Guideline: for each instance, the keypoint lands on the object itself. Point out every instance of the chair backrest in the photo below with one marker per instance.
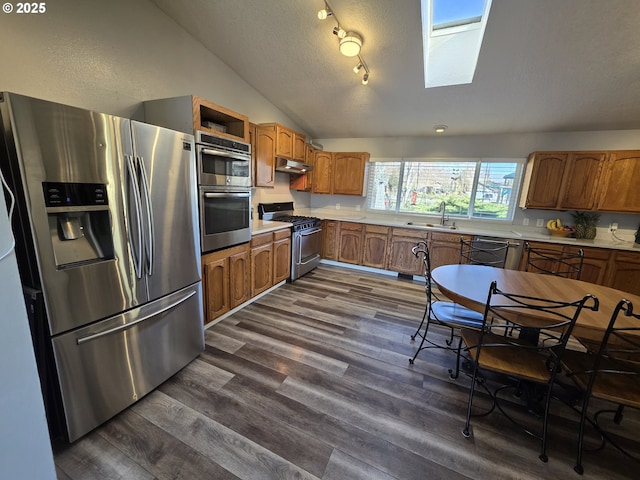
(484, 251)
(549, 322)
(554, 262)
(421, 250)
(619, 351)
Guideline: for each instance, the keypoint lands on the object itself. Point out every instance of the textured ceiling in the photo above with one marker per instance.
(544, 65)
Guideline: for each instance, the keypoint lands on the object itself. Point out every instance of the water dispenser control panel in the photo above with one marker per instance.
(58, 194)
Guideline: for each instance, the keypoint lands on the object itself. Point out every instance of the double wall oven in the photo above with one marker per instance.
(224, 184)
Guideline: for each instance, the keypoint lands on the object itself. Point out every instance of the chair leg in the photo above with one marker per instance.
(585, 405)
(547, 403)
(457, 373)
(424, 335)
(618, 416)
(424, 316)
(466, 432)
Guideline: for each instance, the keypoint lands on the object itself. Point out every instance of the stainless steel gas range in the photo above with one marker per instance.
(306, 237)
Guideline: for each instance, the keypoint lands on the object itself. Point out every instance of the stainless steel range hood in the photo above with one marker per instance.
(291, 166)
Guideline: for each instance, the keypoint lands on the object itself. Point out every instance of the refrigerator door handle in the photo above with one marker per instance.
(149, 215)
(133, 180)
(184, 297)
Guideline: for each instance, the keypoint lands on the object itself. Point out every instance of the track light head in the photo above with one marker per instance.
(340, 33)
(357, 68)
(365, 79)
(324, 13)
(350, 45)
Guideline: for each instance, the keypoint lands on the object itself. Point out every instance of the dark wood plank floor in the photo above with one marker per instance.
(313, 381)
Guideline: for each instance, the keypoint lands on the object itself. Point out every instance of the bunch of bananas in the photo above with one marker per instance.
(555, 224)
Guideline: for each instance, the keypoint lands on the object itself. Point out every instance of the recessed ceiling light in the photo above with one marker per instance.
(440, 128)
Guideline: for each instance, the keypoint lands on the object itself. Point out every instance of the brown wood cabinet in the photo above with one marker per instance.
(351, 235)
(620, 192)
(374, 246)
(303, 183)
(444, 248)
(330, 240)
(400, 258)
(263, 152)
(601, 181)
(225, 278)
(619, 269)
(339, 173)
(261, 263)
(562, 180)
(281, 255)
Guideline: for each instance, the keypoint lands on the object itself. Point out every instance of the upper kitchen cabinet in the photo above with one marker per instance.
(191, 113)
(620, 192)
(263, 146)
(339, 173)
(542, 180)
(302, 183)
(289, 143)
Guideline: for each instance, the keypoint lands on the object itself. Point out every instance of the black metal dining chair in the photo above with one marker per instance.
(520, 366)
(440, 312)
(483, 251)
(612, 374)
(554, 262)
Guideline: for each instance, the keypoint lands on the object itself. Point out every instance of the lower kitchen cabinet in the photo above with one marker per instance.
(350, 236)
(225, 278)
(444, 248)
(281, 255)
(624, 273)
(330, 240)
(270, 259)
(374, 246)
(401, 258)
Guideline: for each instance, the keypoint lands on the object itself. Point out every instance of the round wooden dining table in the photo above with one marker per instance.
(469, 285)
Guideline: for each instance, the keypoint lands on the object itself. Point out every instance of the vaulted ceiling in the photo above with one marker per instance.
(544, 65)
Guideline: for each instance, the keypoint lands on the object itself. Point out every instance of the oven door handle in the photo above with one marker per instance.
(220, 153)
(306, 234)
(219, 195)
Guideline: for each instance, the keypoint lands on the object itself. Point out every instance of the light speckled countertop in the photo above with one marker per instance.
(265, 226)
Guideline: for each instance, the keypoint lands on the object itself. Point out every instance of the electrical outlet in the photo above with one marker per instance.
(337, 206)
(357, 208)
(525, 222)
(613, 227)
(540, 222)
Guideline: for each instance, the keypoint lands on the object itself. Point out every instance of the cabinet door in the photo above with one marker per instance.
(284, 142)
(348, 173)
(374, 249)
(282, 258)
(400, 258)
(330, 229)
(350, 242)
(543, 179)
(303, 183)
(265, 156)
(216, 279)
(620, 188)
(261, 268)
(299, 146)
(322, 172)
(581, 178)
(444, 249)
(594, 264)
(239, 288)
(625, 272)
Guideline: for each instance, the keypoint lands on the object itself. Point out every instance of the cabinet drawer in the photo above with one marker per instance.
(356, 227)
(376, 229)
(409, 233)
(447, 237)
(261, 239)
(280, 234)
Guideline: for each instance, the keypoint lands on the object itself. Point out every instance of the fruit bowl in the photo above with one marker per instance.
(559, 232)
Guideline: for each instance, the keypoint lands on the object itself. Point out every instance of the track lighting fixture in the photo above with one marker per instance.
(440, 128)
(339, 32)
(350, 43)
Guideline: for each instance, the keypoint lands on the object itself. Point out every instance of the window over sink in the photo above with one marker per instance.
(471, 188)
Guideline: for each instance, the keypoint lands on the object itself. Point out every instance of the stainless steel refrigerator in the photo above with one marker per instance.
(107, 241)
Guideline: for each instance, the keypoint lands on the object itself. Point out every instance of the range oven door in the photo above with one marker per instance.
(225, 217)
(306, 251)
(220, 168)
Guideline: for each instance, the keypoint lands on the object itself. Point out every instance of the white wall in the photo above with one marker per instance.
(25, 451)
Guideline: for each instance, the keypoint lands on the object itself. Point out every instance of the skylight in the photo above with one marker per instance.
(452, 32)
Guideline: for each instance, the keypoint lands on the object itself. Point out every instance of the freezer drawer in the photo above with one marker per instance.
(110, 365)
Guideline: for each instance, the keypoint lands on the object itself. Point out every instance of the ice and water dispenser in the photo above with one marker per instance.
(79, 222)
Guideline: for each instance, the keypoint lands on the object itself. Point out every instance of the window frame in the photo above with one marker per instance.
(469, 216)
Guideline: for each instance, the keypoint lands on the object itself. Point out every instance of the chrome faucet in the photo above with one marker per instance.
(442, 208)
